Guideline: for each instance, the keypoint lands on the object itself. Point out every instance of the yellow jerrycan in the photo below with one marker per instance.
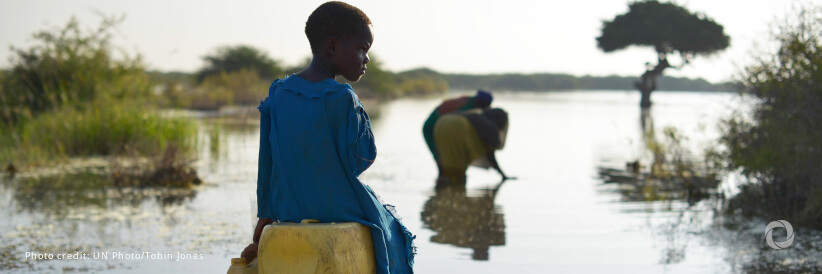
(239, 266)
(313, 247)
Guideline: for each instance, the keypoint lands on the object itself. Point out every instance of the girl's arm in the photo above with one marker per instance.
(250, 252)
(352, 128)
(258, 231)
(265, 165)
(264, 171)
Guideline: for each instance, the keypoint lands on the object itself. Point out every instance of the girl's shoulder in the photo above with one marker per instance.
(332, 92)
(309, 89)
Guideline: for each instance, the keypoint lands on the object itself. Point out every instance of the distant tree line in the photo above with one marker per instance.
(552, 82)
(241, 74)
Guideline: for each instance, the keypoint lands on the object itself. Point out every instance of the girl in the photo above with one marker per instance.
(315, 140)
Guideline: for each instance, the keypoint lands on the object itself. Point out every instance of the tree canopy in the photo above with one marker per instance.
(235, 58)
(665, 26)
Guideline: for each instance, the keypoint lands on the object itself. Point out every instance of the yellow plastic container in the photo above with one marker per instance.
(310, 247)
(239, 266)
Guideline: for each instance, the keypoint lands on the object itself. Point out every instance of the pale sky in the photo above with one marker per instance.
(448, 36)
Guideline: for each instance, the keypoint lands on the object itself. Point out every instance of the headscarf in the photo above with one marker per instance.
(483, 99)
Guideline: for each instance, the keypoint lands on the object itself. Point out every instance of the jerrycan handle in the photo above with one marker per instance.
(306, 221)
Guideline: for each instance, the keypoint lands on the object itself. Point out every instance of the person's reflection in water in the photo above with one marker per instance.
(463, 221)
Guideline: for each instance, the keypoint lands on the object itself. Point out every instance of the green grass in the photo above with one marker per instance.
(101, 129)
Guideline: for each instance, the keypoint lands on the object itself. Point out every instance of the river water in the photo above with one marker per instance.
(559, 215)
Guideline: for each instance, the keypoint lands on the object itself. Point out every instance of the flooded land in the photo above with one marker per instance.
(587, 198)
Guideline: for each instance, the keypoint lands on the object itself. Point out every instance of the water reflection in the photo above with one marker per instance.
(465, 221)
(82, 212)
(61, 195)
(661, 232)
(670, 173)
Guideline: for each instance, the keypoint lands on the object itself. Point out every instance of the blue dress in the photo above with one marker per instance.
(315, 140)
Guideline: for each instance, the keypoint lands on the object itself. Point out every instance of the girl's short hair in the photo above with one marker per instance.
(334, 18)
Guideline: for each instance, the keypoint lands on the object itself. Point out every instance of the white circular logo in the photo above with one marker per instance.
(769, 234)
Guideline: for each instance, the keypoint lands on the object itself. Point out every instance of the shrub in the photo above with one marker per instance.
(69, 66)
(72, 94)
(779, 149)
(235, 58)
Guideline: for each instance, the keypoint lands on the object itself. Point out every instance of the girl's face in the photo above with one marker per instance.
(352, 55)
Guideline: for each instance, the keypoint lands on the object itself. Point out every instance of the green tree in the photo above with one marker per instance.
(778, 149)
(235, 58)
(669, 29)
(73, 93)
(69, 66)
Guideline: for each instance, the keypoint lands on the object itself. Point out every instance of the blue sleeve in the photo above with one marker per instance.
(359, 137)
(265, 162)
(352, 129)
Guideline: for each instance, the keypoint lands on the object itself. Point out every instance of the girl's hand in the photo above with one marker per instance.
(250, 252)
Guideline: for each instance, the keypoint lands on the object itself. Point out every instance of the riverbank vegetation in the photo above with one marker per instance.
(774, 147)
(667, 170)
(73, 94)
(778, 146)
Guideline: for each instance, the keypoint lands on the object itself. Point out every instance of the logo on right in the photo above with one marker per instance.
(769, 234)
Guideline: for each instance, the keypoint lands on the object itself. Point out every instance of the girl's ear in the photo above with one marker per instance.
(331, 44)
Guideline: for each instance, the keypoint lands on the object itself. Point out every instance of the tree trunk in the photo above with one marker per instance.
(645, 102)
(647, 82)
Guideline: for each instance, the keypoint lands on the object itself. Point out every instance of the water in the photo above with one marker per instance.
(558, 216)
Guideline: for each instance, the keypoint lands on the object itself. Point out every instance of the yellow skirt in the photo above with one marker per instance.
(458, 144)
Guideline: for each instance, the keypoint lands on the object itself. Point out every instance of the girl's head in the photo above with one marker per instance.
(340, 35)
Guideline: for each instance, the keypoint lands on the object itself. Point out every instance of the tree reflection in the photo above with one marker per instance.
(465, 221)
(87, 192)
(670, 173)
(668, 178)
